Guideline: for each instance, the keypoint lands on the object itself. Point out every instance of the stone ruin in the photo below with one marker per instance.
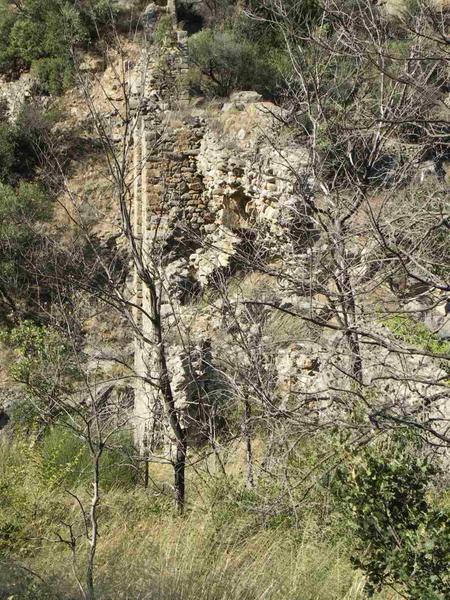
(193, 199)
(200, 184)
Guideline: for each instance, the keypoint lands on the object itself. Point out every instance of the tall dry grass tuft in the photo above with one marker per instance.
(184, 561)
(221, 550)
(146, 553)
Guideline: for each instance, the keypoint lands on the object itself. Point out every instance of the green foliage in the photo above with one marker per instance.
(66, 460)
(21, 211)
(402, 539)
(163, 30)
(25, 209)
(45, 364)
(26, 507)
(11, 523)
(36, 348)
(168, 557)
(418, 335)
(7, 151)
(17, 584)
(43, 31)
(35, 474)
(54, 73)
(217, 550)
(7, 53)
(229, 62)
(43, 35)
(27, 202)
(22, 144)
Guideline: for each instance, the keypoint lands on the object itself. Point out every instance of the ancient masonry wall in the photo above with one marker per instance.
(202, 185)
(167, 193)
(195, 200)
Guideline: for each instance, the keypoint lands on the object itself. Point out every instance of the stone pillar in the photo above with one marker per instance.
(141, 408)
(167, 191)
(172, 11)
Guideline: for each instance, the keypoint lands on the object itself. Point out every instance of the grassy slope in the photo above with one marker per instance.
(221, 549)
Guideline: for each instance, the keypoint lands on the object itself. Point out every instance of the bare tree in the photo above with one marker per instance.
(118, 137)
(371, 112)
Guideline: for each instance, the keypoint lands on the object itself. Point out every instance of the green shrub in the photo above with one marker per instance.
(25, 206)
(420, 336)
(66, 460)
(7, 152)
(47, 30)
(46, 367)
(8, 58)
(35, 477)
(11, 522)
(163, 30)
(228, 62)
(27, 201)
(44, 33)
(24, 505)
(216, 550)
(55, 74)
(21, 210)
(402, 539)
(23, 143)
(17, 584)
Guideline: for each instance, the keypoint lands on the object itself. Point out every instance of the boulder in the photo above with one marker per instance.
(92, 65)
(249, 97)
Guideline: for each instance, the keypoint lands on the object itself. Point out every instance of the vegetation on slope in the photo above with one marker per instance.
(226, 546)
(43, 35)
(359, 508)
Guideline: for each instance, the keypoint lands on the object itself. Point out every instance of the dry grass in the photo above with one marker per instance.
(146, 553)
(220, 550)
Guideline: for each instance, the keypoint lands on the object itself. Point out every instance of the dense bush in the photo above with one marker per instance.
(34, 475)
(402, 539)
(43, 34)
(23, 144)
(227, 61)
(163, 30)
(21, 211)
(32, 266)
(7, 53)
(7, 151)
(54, 73)
(44, 363)
(236, 51)
(66, 460)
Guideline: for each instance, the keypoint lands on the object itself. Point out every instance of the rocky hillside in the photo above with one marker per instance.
(224, 286)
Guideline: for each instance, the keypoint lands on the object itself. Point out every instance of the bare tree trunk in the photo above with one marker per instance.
(248, 445)
(179, 472)
(347, 301)
(165, 389)
(146, 462)
(93, 525)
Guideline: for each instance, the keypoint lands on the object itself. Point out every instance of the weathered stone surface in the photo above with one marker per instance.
(225, 189)
(246, 97)
(93, 65)
(16, 93)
